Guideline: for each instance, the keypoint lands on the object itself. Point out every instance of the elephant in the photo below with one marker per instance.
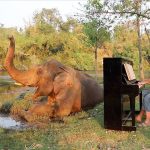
(68, 90)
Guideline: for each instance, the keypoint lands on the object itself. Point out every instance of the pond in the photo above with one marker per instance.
(9, 90)
(9, 123)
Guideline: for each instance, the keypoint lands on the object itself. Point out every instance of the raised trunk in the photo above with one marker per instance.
(23, 77)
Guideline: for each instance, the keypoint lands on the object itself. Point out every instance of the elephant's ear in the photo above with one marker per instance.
(64, 69)
(63, 80)
(61, 71)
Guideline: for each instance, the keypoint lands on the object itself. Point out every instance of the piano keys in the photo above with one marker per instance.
(120, 83)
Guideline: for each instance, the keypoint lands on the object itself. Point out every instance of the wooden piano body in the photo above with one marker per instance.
(120, 82)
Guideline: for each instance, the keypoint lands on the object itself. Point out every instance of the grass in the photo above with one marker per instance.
(82, 131)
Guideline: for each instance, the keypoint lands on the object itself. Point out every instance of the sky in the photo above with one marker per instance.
(17, 13)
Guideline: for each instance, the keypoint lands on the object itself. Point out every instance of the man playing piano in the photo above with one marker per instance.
(145, 106)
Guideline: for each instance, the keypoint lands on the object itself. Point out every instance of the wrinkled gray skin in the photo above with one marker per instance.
(68, 90)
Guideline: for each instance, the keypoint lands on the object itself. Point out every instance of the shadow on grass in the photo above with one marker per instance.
(98, 114)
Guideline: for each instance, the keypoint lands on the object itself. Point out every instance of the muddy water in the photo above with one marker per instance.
(8, 123)
(8, 87)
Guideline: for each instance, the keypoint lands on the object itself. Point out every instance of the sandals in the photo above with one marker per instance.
(143, 124)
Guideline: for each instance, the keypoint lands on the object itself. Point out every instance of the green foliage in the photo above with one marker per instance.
(47, 20)
(95, 27)
(19, 106)
(50, 37)
(125, 45)
(69, 25)
(69, 41)
(5, 108)
(97, 35)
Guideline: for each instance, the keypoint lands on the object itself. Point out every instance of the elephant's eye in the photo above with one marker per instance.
(39, 71)
(57, 73)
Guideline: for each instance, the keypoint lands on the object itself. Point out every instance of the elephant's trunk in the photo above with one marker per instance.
(23, 77)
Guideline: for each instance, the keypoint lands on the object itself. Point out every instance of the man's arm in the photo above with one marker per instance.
(145, 81)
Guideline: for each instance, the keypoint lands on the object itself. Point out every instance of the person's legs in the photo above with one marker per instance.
(147, 120)
(140, 115)
(147, 109)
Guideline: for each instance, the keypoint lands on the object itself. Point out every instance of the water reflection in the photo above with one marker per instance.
(8, 122)
(8, 90)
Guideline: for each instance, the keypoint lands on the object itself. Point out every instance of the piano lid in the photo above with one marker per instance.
(129, 71)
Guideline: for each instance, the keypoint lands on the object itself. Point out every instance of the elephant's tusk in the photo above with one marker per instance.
(16, 83)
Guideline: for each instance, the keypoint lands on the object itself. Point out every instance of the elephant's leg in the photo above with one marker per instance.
(67, 94)
(64, 103)
(39, 111)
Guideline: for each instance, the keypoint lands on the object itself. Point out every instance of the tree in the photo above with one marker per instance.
(69, 25)
(48, 20)
(123, 44)
(131, 10)
(95, 27)
(138, 10)
(112, 11)
(97, 35)
(127, 8)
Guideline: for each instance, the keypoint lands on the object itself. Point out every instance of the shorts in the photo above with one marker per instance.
(146, 101)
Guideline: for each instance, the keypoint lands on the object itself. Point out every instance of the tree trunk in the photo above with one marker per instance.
(141, 71)
(147, 35)
(96, 63)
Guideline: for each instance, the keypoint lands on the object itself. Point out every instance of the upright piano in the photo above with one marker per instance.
(120, 87)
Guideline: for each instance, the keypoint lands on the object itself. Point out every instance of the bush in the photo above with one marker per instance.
(19, 106)
(6, 107)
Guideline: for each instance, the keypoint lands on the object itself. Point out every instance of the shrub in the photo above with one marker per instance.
(6, 107)
(19, 106)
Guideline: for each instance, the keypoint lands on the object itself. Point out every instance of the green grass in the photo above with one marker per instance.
(82, 131)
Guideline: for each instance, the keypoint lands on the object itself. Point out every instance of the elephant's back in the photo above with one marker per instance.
(91, 91)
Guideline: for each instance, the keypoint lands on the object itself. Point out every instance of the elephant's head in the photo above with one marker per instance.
(46, 75)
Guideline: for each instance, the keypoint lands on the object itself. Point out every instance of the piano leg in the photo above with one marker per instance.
(132, 108)
(140, 100)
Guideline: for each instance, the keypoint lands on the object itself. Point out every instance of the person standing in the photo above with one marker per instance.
(145, 106)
